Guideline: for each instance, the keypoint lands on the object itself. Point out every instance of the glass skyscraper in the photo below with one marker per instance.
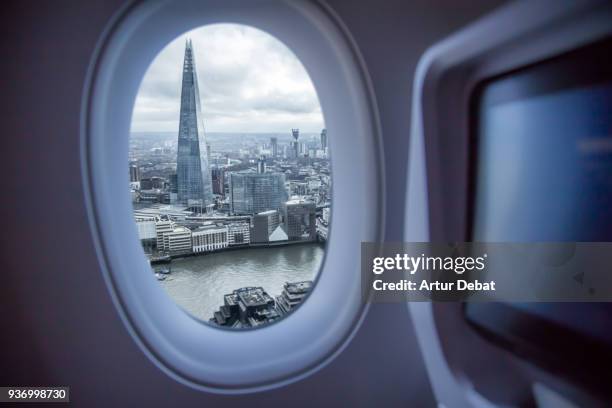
(194, 185)
(252, 193)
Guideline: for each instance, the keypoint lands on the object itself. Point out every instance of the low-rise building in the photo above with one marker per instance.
(177, 241)
(147, 232)
(323, 224)
(154, 196)
(246, 307)
(209, 238)
(239, 233)
(162, 227)
(293, 294)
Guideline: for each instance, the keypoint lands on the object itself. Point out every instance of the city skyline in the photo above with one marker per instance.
(261, 190)
(271, 96)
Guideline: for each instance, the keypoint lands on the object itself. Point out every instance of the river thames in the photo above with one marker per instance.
(198, 283)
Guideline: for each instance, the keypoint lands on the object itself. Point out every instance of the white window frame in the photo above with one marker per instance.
(194, 353)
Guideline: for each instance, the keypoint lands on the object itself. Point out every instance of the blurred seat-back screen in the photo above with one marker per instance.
(544, 152)
(542, 168)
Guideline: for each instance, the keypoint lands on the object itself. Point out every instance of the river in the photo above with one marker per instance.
(198, 283)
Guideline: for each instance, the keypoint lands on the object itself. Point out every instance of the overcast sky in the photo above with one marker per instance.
(248, 80)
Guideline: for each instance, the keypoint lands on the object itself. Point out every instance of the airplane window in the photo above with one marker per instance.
(230, 177)
(203, 134)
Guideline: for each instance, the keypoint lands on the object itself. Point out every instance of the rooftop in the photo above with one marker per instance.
(298, 287)
(269, 212)
(210, 227)
(294, 201)
(251, 296)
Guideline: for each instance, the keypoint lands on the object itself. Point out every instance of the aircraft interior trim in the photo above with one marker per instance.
(193, 189)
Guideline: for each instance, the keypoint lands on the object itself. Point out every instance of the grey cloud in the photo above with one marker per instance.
(247, 80)
(285, 102)
(222, 80)
(161, 88)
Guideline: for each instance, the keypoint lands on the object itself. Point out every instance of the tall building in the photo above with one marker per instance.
(299, 219)
(296, 145)
(218, 181)
(324, 139)
(193, 174)
(261, 165)
(274, 144)
(252, 193)
(134, 172)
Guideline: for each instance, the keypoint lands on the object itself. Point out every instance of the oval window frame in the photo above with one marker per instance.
(194, 353)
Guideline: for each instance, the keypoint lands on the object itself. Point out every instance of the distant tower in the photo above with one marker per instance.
(218, 181)
(274, 143)
(261, 165)
(194, 183)
(134, 172)
(324, 139)
(296, 144)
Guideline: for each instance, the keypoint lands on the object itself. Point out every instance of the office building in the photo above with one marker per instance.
(264, 224)
(274, 144)
(323, 224)
(261, 165)
(218, 181)
(152, 183)
(194, 182)
(239, 233)
(252, 193)
(154, 196)
(177, 241)
(296, 145)
(209, 238)
(324, 139)
(293, 294)
(246, 307)
(162, 227)
(147, 232)
(299, 188)
(299, 220)
(134, 172)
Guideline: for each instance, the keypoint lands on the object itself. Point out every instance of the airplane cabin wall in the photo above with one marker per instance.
(59, 324)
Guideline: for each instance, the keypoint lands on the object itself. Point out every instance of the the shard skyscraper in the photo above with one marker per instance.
(192, 168)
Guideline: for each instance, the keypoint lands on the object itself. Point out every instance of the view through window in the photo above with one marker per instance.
(230, 175)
